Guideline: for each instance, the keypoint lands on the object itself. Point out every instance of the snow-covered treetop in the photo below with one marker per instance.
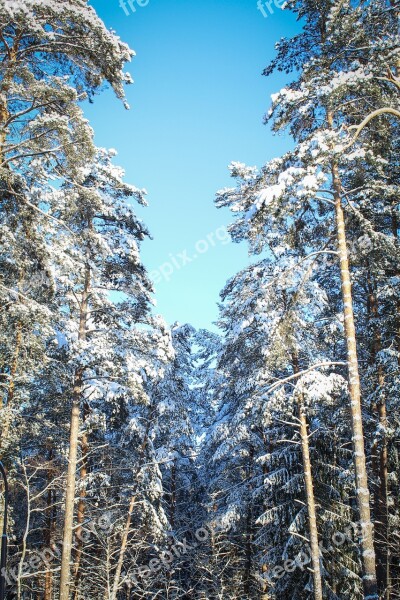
(84, 51)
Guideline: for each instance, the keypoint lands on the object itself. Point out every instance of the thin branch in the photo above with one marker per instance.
(368, 118)
(296, 375)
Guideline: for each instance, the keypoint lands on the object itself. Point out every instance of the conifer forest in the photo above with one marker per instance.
(260, 458)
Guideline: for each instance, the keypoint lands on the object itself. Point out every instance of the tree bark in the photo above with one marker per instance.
(81, 508)
(73, 451)
(264, 594)
(124, 543)
(312, 514)
(310, 497)
(362, 489)
(4, 89)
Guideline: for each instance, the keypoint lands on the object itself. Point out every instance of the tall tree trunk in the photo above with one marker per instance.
(311, 510)
(124, 544)
(264, 594)
(362, 489)
(81, 506)
(73, 451)
(4, 116)
(4, 91)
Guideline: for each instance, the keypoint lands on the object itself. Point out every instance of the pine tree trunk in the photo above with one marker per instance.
(362, 489)
(311, 510)
(124, 543)
(81, 507)
(264, 593)
(70, 493)
(4, 91)
(312, 515)
(73, 452)
(4, 116)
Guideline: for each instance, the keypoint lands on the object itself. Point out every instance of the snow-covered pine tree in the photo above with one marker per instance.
(53, 54)
(316, 108)
(114, 342)
(275, 312)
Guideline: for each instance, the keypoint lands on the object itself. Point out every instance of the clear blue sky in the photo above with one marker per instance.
(196, 105)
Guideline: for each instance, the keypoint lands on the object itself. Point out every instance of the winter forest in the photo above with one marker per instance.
(259, 460)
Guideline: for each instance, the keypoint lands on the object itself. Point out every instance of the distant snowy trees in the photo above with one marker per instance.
(146, 461)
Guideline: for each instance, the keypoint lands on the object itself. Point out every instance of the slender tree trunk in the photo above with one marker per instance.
(124, 543)
(312, 514)
(4, 116)
(264, 594)
(81, 507)
(5, 89)
(73, 452)
(362, 489)
(311, 509)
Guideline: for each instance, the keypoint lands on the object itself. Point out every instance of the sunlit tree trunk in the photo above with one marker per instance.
(73, 451)
(81, 507)
(362, 488)
(310, 497)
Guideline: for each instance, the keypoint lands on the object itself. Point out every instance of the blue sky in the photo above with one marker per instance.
(196, 105)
